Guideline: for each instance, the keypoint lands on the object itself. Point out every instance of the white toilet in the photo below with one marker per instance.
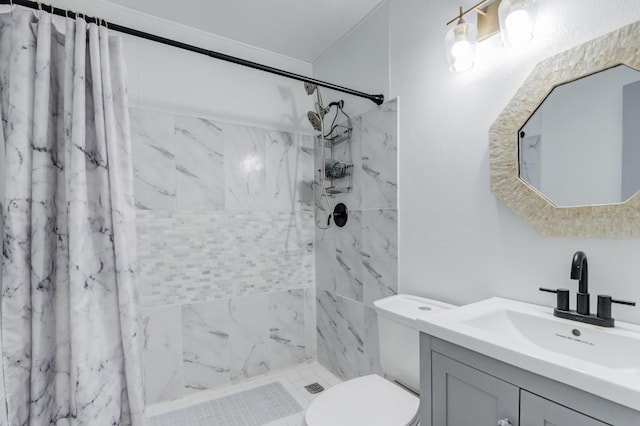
(373, 400)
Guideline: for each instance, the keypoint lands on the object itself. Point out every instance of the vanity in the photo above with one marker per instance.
(503, 362)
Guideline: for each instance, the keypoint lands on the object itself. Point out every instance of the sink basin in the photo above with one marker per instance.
(602, 361)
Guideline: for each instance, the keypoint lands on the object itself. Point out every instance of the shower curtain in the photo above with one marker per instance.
(70, 322)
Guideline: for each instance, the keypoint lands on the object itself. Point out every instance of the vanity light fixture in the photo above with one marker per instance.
(514, 19)
(461, 42)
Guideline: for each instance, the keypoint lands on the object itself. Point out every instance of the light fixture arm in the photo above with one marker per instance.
(476, 8)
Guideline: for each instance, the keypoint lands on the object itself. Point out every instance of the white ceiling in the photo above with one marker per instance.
(302, 29)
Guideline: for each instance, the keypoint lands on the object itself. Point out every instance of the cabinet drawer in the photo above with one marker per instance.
(537, 411)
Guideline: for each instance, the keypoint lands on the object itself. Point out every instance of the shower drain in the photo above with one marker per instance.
(314, 388)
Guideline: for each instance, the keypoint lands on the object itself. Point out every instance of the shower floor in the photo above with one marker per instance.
(284, 400)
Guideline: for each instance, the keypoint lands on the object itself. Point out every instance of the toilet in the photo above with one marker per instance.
(373, 400)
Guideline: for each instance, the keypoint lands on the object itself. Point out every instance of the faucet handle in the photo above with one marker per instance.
(604, 305)
(623, 302)
(562, 301)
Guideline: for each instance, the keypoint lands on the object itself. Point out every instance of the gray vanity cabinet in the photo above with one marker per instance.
(460, 387)
(464, 396)
(536, 411)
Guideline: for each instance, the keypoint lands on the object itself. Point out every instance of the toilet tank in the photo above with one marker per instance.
(399, 338)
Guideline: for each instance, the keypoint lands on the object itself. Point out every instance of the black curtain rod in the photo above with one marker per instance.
(377, 99)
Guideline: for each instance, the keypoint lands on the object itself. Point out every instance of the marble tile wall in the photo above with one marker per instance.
(358, 264)
(204, 345)
(225, 245)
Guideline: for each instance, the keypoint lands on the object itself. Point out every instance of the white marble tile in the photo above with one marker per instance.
(530, 167)
(341, 334)
(163, 354)
(379, 178)
(200, 164)
(338, 259)
(379, 254)
(371, 342)
(286, 328)
(347, 264)
(249, 331)
(289, 165)
(244, 167)
(153, 142)
(310, 324)
(206, 355)
(306, 183)
(325, 260)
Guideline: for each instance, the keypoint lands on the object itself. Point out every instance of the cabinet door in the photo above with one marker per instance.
(464, 396)
(536, 411)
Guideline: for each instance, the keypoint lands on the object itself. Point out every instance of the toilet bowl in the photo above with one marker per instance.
(373, 400)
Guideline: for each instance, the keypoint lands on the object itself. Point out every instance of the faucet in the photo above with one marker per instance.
(580, 272)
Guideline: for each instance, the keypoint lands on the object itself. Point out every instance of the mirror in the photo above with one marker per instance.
(590, 215)
(582, 145)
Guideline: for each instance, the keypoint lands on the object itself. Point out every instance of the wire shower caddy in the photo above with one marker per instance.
(339, 168)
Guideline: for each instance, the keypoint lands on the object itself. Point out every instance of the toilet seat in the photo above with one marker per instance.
(369, 400)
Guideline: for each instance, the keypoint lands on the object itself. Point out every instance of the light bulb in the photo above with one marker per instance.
(460, 43)
(519, 27)
(517, 21)
(462, 49)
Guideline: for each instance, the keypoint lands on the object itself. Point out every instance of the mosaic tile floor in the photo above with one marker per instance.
(277, 399)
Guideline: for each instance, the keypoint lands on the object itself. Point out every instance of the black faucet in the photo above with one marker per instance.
(580, 272)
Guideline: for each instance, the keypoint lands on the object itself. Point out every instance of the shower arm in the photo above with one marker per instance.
(377, 99)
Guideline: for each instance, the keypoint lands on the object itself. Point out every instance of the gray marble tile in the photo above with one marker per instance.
(287, 328)
(311, 346)
(249, 331)
(379, 178)
(200, 164)
(379, 254)
(163, 354)
(154, 161)
(347, 264)
(371, 342)
(341, 334)
(205, 334)
(244, 168)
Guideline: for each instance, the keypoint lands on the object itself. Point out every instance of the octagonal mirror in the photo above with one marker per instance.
(564, 152)
(582, 145)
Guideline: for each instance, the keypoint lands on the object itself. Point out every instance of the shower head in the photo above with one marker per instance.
(310, 88)
(315, 120)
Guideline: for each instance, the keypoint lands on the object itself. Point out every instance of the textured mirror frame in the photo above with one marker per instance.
(620, 220)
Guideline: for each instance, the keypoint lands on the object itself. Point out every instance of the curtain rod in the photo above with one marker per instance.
(377, 99)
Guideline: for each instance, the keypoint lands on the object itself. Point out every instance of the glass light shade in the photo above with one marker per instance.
(517, 21)
(460, 43)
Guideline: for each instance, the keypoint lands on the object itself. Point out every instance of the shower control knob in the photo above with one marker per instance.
(504, 422)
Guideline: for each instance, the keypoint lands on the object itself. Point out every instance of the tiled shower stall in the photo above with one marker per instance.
(227, 258)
